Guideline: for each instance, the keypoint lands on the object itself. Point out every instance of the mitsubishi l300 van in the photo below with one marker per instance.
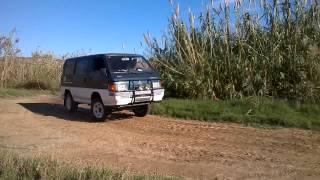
(110, 82)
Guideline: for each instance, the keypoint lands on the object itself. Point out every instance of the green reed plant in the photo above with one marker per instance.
(229, 52)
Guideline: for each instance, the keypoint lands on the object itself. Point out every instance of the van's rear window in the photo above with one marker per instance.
(124, 64)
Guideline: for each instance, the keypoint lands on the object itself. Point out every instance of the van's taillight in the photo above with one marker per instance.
(112, 87)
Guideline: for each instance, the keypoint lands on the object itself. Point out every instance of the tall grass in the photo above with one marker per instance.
(41, 71)
(229, 52)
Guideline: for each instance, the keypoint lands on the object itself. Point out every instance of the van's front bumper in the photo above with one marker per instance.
(132, 97)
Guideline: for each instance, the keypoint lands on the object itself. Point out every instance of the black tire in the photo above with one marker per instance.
(141, 111)
(98, 111)
(70, 105)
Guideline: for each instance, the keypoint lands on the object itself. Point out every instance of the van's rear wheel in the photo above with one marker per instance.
(69, 103)
(98, 111)
(141, 111)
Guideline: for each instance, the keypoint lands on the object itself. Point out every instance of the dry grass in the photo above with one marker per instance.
(41, 71)
(14, 92)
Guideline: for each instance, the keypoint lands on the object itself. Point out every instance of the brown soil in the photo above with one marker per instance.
(40, 125)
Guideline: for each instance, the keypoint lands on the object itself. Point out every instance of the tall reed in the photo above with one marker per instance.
(230, 52)
(41, 71)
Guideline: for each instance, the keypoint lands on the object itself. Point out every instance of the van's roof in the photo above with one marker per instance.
(121, 54)
(107, 54)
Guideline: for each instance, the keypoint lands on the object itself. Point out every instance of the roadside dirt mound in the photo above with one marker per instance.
(193, 149)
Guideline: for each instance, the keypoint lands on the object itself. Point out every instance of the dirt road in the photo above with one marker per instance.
(193, 149)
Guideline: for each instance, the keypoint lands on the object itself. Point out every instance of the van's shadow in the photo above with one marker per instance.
(58, 111)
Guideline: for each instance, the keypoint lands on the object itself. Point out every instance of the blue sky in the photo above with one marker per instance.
(95, 26)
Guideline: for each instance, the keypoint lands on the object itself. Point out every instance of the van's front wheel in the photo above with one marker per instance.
(98, 110)
(141, 111)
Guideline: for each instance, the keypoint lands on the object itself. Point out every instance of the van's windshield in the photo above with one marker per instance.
(125, 64)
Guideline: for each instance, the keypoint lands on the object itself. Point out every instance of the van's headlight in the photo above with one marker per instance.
(156, 84)
(119, 86)
(122, 86)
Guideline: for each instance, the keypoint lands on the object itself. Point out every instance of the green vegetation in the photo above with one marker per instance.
(14, 167)
(7, 92)
(246, 48)
(250, 111)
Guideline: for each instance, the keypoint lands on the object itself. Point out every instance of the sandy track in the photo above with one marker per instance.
(39, 125)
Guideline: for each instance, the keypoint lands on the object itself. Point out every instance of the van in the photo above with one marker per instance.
(110, 82)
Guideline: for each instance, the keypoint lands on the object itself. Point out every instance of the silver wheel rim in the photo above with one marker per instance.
(68, 102)
(98, 110)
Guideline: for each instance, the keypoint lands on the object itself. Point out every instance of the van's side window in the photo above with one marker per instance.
(98, 63)
(69, 68)
(82, 67)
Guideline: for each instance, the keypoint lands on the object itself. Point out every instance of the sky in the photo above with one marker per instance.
(87, 26)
